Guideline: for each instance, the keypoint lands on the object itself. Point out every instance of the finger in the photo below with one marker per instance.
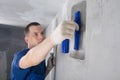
(72, 27)
(72, 24)
(69, 30)
(69, 36)
(69, 22)
(76, 26)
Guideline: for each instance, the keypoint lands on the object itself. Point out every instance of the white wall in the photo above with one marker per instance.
(48, 31)
(100, 42)
(68, 68)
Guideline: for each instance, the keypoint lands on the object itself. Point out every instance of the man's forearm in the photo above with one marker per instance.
(36, 54)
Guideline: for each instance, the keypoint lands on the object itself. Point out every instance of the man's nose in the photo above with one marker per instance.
(41, 37)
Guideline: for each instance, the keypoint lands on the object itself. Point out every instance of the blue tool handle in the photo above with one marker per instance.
(65, 46)
(65, 43)
(77, 40)
(77, 32)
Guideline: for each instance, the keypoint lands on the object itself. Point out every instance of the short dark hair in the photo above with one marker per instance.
(26, 30)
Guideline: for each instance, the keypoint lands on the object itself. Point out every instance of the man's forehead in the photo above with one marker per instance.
(38, 27)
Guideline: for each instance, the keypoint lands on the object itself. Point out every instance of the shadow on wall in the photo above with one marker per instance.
(11, 40)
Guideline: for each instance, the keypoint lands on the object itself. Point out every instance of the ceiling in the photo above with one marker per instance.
(21, 12)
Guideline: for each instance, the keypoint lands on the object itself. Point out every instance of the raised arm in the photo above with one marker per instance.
(38, 53)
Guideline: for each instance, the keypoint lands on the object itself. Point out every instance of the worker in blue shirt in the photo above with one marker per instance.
(29, 63)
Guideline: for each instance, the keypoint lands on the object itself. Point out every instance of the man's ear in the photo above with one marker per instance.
(26, 39)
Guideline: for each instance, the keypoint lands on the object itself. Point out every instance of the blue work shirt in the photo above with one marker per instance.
(32, 73)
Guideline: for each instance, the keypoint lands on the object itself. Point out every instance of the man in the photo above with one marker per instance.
(29, 64)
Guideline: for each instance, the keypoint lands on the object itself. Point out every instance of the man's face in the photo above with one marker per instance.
(35, 36)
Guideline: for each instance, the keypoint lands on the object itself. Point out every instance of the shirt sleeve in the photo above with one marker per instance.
(17, 72)
(17, 57)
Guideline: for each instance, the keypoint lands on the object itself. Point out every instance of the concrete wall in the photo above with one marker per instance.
(49, 30)
(100, 42)
(11, 40)
(68, 68)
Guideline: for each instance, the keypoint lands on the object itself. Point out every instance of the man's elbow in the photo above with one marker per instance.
(26, 62)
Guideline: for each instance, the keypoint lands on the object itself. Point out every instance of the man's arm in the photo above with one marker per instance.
(37, 54)
(34, 56)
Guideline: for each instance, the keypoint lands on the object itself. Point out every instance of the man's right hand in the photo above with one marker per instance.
(65, 30)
